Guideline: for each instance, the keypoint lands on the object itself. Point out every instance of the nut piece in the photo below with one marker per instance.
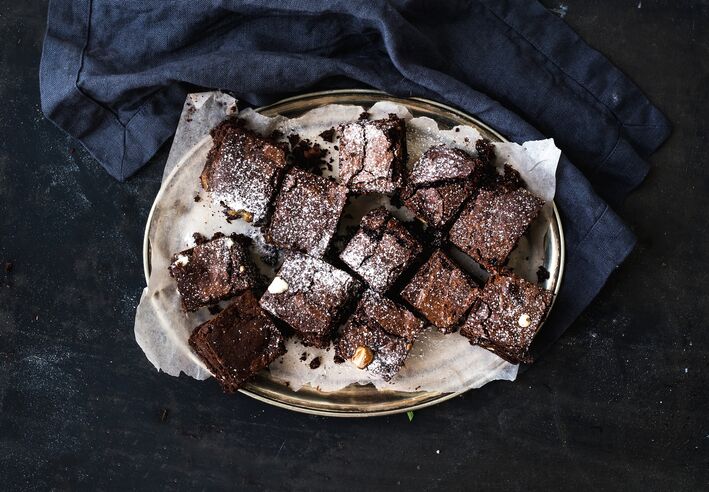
(242, 269)
(278, 286)
(362, 357)
(182, 260)
(232, 214)
(524, 320)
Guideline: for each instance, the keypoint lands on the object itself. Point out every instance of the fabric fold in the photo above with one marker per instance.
(115, 75)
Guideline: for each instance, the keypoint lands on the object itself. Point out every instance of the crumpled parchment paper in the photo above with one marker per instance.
(440, 363)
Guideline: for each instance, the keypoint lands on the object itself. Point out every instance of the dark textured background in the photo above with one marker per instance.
(621, 401)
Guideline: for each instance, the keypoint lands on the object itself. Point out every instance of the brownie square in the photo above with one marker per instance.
(441, 291)
(440, 182)
(490, 226)
(311, 296)
(307, 210)
(381, 250)
(242, 171)
(213, 271)
(238, 342)
(506, 316)
(373, 155)
(379, 335)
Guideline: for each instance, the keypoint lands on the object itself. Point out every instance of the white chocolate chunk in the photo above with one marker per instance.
(278, 286)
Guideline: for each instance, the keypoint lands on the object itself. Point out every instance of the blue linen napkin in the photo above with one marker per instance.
(115, 75)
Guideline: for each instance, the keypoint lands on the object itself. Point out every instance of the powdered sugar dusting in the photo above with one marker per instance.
(306, 212)
(489, 227)
(507, 315)
(316, 296)
(381, 250)
(435, 363)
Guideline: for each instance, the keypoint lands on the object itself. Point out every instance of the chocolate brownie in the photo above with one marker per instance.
(381, 250)
(311, 296)
(440, 182)
(441, 291)
(379, 335)
(242, 171)
(490, 226)
(506, 316)
(238, 342)
(373, 155)
(213, 271)
(306, 213)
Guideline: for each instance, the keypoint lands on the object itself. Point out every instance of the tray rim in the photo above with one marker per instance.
(434, 398)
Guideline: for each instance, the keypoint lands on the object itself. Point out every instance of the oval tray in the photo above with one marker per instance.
(366, 400)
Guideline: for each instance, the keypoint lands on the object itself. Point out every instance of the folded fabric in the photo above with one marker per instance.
(115, 75)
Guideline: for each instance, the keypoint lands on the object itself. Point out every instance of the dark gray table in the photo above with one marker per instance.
(621, 401)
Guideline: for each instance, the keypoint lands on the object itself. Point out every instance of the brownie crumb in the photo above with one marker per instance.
(214, 309)
(328, 135)
(303, 356)
(293, 139)
(542, 274)
(315, 363)
(197, 198)
(9, 266)
(309, 156)
(486, 150)
(338, 359)
(276, 135)
(199, 238)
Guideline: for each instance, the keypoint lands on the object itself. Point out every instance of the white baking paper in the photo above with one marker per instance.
(439, 363)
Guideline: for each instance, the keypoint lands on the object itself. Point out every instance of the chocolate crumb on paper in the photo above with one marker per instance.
(542, 274)
(473, 363)
(328, 135)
